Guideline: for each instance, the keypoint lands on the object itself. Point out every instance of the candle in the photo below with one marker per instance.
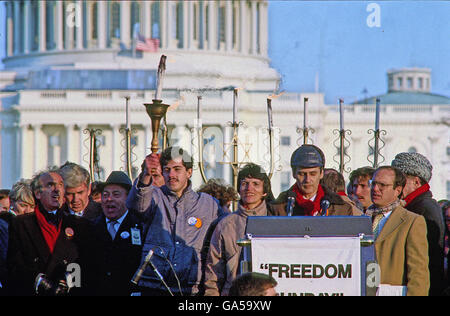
(341, 113)
(269, 112)
(305, 112)
(127, 98)
(161, 69)
(377, 115)
(235, 105)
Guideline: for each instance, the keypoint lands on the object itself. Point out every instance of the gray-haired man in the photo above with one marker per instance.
(77, 185)
(419, 200)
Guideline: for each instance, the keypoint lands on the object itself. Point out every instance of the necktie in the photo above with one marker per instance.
(112, 228)
(376, 219)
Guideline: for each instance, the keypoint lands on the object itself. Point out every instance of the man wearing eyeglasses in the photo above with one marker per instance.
(401, 244)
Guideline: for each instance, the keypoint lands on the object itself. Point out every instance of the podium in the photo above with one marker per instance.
(301, 232)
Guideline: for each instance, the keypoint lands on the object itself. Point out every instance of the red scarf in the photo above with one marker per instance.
(309, 207)
(424, 188)
(49, 231)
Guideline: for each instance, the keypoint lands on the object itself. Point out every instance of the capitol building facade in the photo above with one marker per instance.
(70, 65)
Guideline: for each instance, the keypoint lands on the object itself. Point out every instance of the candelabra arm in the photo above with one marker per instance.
(128, 150)
(200, 154)
(271, 148)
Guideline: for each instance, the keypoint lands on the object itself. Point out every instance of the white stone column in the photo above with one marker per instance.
(125, 23)
(88, 13)
(170, 31)
(212, 26)
(70, 153)
(254, 28)
(9, 29)
(115, 147)
(243, 28)
(187, 19)
(264, 29)
(101, 24)
(26, 26)
(37, 147)
(22, 131)
(147, 20)
(59, 25)
(42, 26)
(229, 25)
(17, 27)
(190, 24)
(79, 25)
(164, 34)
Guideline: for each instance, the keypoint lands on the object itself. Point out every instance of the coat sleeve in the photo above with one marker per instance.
(140, 197)
(418, 275)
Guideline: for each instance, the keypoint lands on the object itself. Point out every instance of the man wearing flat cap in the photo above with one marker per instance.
(118, 238)
(311, 198)
(419, 199)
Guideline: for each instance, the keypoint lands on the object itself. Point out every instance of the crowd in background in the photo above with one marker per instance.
(158, 236)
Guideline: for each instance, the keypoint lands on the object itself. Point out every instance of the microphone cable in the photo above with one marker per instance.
(172, 268)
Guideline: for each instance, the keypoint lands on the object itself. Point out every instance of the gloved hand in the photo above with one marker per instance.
(61, 289)
(42, 285)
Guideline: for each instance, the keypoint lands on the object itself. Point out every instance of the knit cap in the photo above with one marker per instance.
(413, 164)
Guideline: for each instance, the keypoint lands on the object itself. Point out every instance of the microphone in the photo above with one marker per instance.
(324, 205)
(144, 266)
(290, 203)
(137, 276)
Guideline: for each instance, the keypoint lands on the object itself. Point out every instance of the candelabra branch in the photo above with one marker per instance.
(128, 157)
(306, 132)
(93, 152)
(376, 146)
(342, 144)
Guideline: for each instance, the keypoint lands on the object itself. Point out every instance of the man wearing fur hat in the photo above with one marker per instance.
(418, 198)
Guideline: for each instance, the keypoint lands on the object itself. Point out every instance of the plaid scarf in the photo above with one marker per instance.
(373, 210)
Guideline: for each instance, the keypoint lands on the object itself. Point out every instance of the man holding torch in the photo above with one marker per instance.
(176, 223)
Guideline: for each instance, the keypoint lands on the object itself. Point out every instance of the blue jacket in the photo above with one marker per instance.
(175, 229)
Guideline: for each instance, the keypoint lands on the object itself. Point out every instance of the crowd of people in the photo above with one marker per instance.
(157, 236)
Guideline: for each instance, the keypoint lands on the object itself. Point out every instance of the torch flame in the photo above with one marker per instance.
(274, 96)
(175, 105)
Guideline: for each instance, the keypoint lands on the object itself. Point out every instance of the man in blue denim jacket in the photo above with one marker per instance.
(177, 220)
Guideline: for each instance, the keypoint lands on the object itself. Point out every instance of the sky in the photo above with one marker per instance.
(330, 46)
(332, 41)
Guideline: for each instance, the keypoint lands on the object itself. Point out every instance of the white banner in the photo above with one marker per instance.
(319, 266)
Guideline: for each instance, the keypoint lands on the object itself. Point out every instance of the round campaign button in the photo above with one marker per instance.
(194, 221)
(69, 232)
(125, 235)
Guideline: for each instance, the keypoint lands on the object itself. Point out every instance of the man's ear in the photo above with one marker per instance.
(399, 191)
(189, 172)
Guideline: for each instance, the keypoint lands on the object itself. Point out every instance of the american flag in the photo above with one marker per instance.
(147, 44)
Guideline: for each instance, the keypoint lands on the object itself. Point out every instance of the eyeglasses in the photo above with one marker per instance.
(380, 185)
